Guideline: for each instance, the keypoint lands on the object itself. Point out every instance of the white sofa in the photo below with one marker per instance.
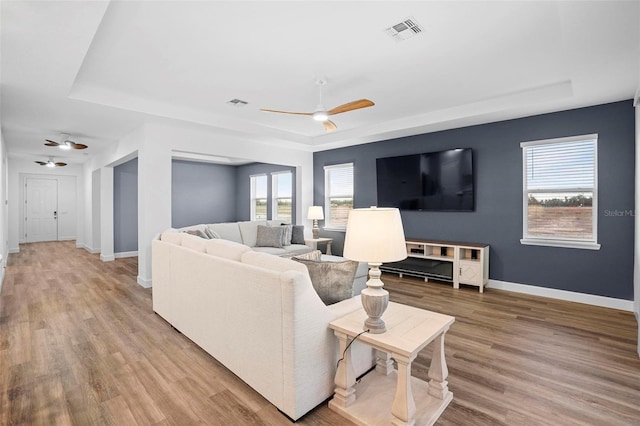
(246, 232)
(256, 313)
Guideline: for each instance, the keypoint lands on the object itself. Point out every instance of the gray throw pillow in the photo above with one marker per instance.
(197, 233)
(286, 234)
(333, 281)
(269, 236)
(297, 234)
(211, 234)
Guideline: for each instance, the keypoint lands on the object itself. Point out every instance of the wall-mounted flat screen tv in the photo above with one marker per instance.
(433, 181)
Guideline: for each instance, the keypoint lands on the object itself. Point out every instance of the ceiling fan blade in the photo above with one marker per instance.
(42, 163)
(286, 112)
(78, 145)
(329, 125)
(361, 103)
(51, 143)
(61, 164)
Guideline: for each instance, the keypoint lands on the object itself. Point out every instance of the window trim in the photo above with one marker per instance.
(252, 196)
(327, 202)
(588, 244)
(274, 194)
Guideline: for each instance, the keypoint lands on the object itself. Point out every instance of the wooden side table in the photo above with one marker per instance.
(313, 243)
(388, 396)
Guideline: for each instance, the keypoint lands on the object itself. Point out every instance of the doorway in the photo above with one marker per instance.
(41, 210)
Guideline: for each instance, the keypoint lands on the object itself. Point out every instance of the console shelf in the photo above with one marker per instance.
(458, 263)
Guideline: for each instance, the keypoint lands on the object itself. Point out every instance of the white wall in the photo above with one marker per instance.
(154, 175)
(153, 144)
(4, 213)
(70, 199)
(636, 262)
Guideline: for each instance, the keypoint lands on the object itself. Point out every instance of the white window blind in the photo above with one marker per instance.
(560, 192)
(338, 194)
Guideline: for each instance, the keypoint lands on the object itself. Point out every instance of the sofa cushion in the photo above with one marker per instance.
(249, 231)
(269, 236)
(171, 236)
(194, 242)
(225, 248)
(272, 250)
(333, 281)
(287, 230)
(271, 262)
(228, 231)
(297, 234)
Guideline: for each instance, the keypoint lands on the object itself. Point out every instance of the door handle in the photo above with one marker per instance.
(55, 215)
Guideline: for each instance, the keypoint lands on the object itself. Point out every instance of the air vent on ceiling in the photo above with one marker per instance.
(237, 102)
(404, 30)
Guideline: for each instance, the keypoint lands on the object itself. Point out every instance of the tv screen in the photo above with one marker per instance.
(430, 181)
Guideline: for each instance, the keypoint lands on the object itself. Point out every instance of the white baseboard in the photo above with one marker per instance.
(87, 248)
(14, 249)
(66, 238)
(144, 282)
(125, 254)
(107, 258)
(570, 296)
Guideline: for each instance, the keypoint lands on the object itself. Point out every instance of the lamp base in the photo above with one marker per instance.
(315, 233)
(375, 300)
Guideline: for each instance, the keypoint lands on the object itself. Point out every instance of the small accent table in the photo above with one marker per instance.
(313, 243)
(386, 396)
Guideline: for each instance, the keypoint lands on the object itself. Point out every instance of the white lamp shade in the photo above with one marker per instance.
(315, 212)
(375, 235)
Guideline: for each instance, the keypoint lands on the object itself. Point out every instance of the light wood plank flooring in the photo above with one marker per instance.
(80, 344)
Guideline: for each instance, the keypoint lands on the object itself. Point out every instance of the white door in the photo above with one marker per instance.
(41, 207)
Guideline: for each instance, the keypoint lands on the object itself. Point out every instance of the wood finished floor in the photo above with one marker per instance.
(80, 345)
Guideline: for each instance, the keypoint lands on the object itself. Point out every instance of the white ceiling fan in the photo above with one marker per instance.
(322, 114)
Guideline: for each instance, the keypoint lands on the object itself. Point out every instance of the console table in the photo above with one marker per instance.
(388, 396)
(458, 263)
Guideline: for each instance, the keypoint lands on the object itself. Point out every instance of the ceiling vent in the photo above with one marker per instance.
(404, 30)
(237, 103)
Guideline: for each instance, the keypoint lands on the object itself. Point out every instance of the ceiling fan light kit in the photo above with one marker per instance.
(321, 114)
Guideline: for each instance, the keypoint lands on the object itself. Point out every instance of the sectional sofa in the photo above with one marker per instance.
(246, 232)
(256, 313)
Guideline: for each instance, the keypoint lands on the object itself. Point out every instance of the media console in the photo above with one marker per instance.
(458, 263)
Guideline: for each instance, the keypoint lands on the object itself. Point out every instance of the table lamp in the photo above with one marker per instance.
(376, 236)
(315, 213)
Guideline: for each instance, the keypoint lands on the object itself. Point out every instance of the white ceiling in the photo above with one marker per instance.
(97, 70)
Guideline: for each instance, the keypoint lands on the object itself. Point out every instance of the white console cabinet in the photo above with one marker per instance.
(459, 263)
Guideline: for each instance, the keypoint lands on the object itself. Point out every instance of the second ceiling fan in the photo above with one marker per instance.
(322, 114)
(66, 143)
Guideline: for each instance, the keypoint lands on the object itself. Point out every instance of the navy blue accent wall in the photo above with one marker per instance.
(497, 219)
(202, 193)
(125, 207)
(243, 175)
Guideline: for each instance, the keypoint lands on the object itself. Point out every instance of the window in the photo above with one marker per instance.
(259, 197)
(338, 195)
(281, 193)
(560, 192)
